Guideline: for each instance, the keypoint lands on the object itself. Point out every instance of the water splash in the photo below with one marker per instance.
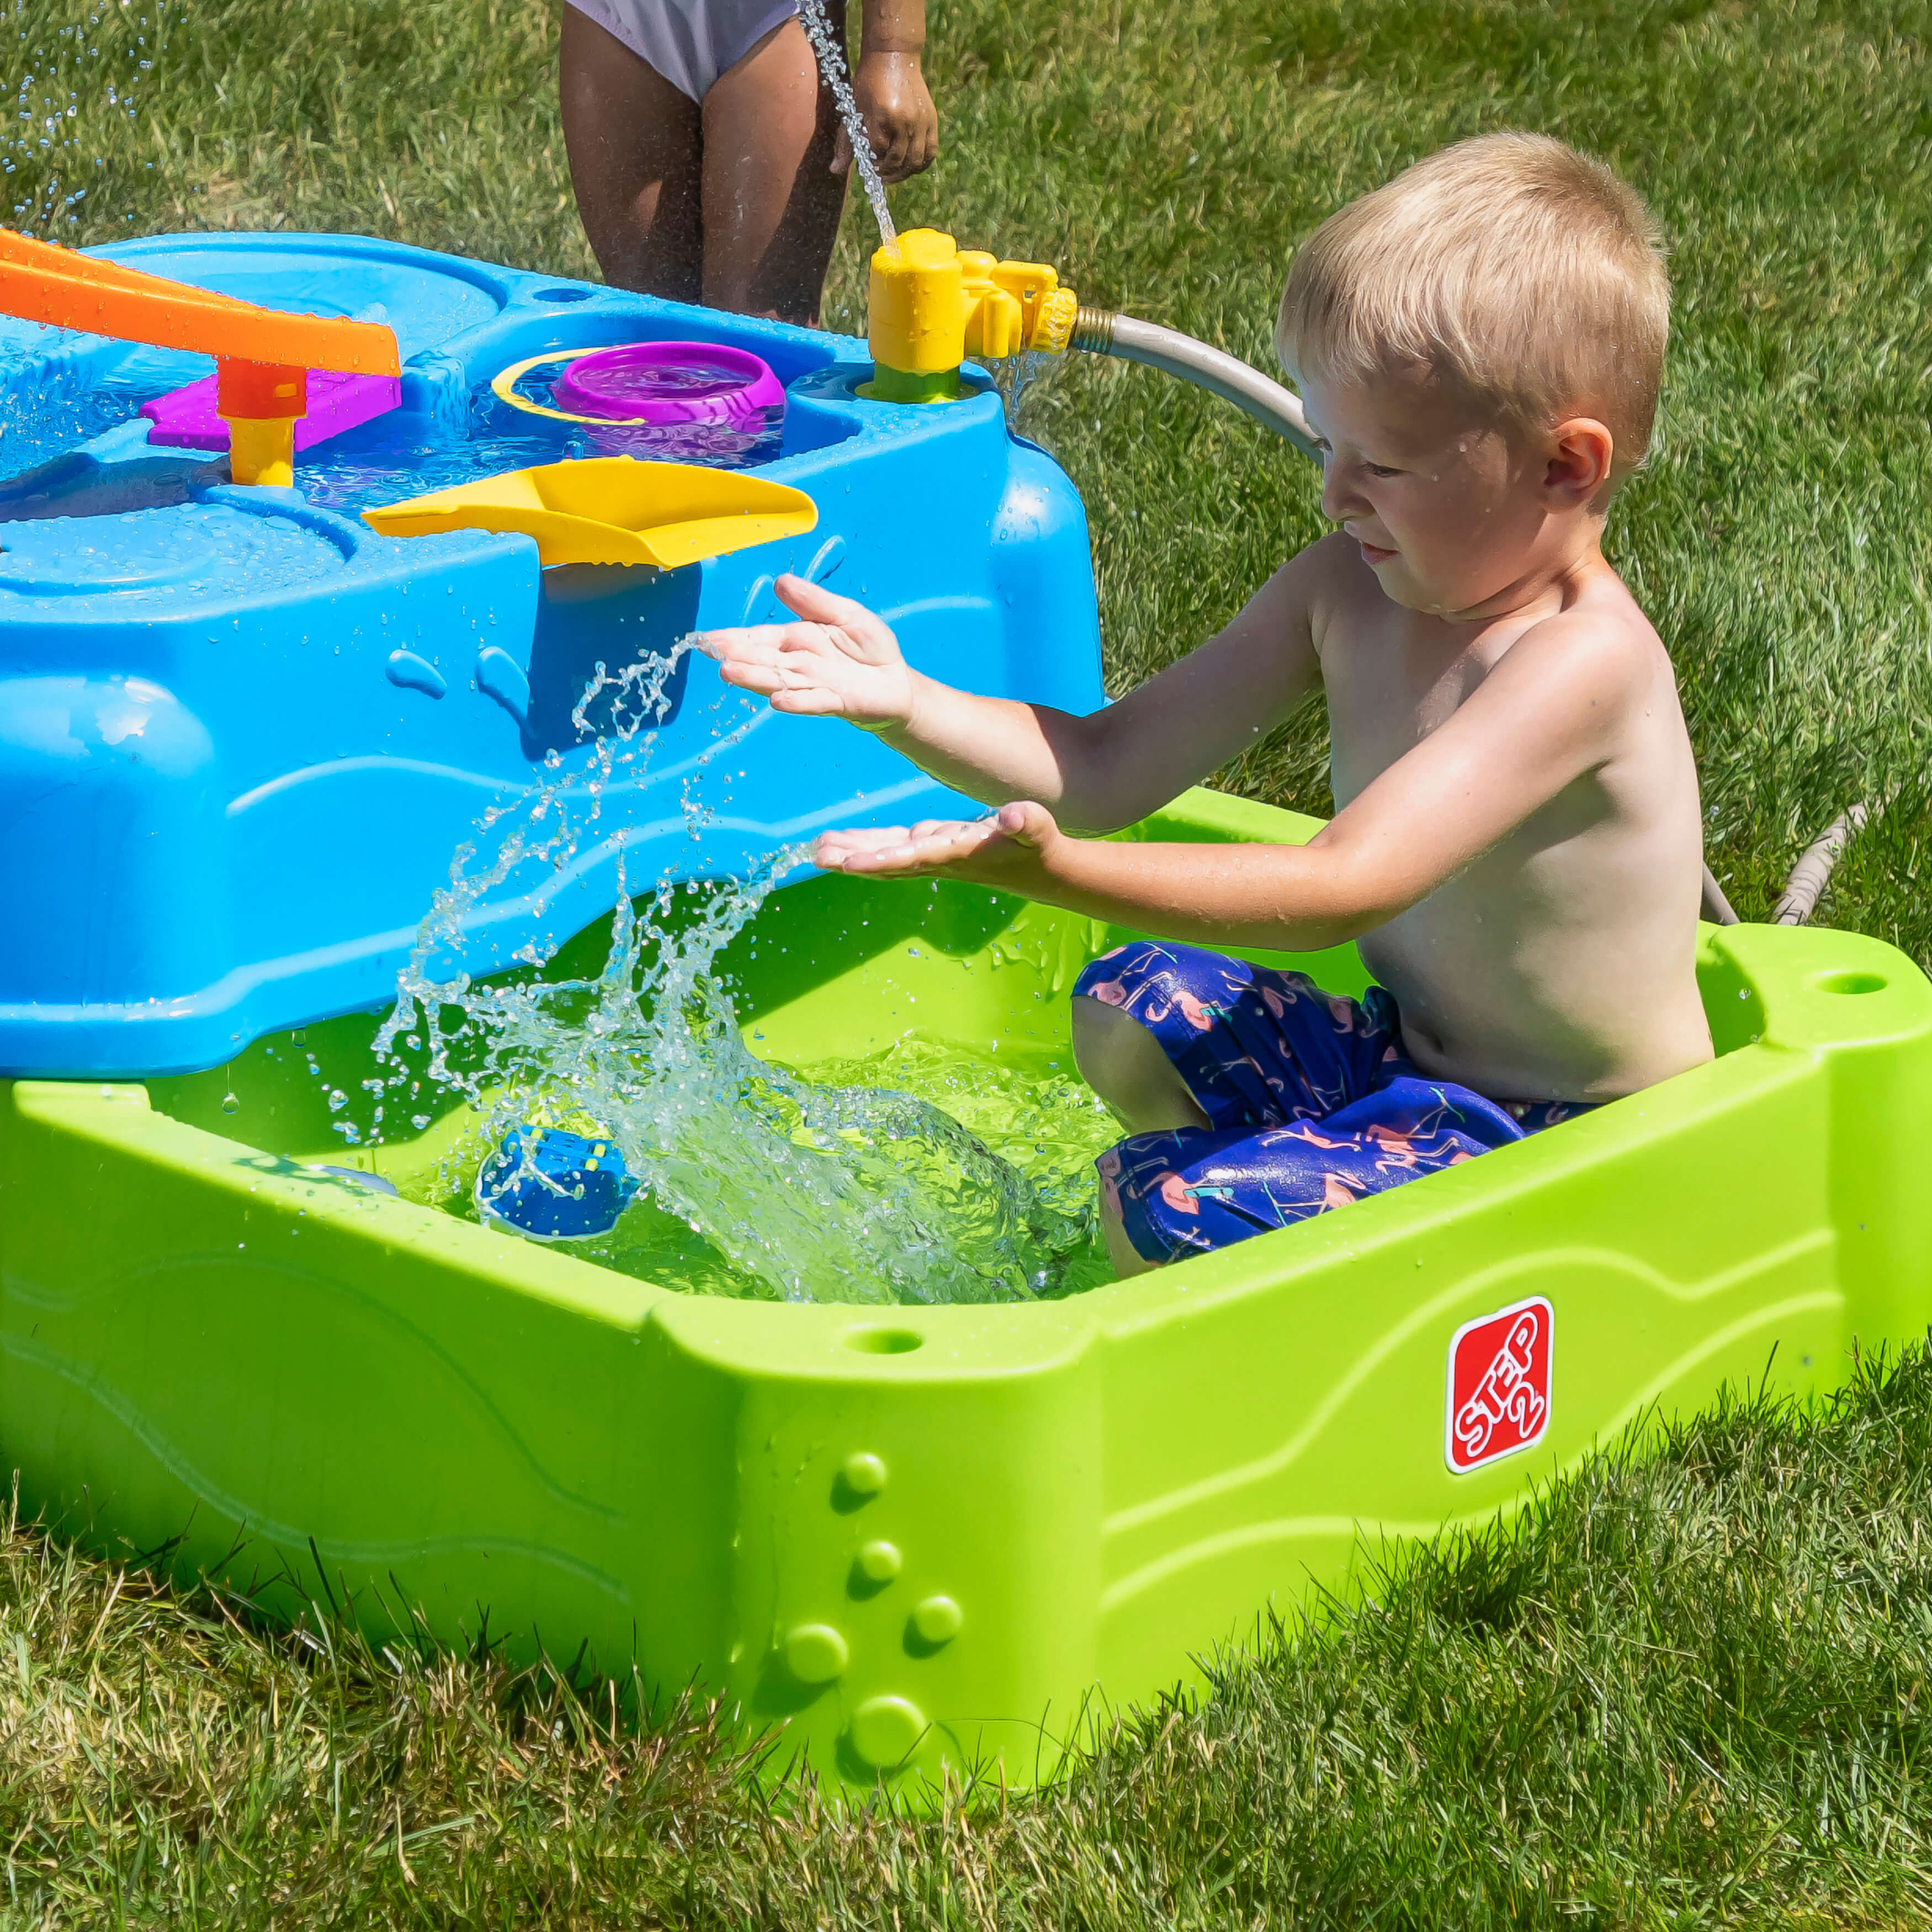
(78, 74)
(44, 413)
(832, 64)
(1014, 375)
(842, 1192)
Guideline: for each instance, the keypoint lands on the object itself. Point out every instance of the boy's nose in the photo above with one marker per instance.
(1338, 499)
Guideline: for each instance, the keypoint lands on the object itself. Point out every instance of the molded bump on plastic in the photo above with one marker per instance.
(936, 1620)
(885, 1341)
(879, 1562)
(1852, 982)
(830, 554)
(864, 1475)
(756, 600)
(499, 676)
(414, 673)
(815, 1653)
(884, 1731)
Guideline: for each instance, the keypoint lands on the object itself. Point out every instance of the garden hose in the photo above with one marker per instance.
(1101, 332)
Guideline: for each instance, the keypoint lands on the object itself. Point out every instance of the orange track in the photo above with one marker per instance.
(40, 282)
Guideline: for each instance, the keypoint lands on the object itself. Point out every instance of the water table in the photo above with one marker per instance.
(241, 733)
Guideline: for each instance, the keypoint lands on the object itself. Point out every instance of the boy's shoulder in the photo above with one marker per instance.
(1601, 631)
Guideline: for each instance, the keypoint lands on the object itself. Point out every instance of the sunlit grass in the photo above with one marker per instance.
(1689, 1693)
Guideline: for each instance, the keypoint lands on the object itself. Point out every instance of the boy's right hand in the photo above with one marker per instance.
(839, 662)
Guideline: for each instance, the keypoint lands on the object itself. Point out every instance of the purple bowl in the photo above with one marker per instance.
(670, 382)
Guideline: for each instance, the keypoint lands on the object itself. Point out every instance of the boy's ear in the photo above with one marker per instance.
(1581, 449)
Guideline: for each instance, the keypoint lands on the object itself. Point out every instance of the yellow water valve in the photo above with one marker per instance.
(932, 304)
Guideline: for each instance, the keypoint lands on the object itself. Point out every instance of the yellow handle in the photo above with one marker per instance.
(261, 450)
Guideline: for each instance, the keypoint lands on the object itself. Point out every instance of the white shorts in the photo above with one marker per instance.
(690, 42)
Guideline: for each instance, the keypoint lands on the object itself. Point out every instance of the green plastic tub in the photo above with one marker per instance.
(918, 1537)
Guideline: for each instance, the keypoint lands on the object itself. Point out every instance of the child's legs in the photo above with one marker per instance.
(1165, 1195)
(771, 203)
(1128, 1260)
(636, 150)
(1172, 1036)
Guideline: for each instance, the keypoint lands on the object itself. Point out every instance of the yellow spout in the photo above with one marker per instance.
(261, 450)
(932, 305)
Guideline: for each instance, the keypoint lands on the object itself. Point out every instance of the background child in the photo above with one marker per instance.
(705, 150)
(1517, 843)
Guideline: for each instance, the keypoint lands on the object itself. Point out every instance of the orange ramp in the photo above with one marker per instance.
(262, 356)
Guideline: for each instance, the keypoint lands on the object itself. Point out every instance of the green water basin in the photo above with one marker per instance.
(917, 1538)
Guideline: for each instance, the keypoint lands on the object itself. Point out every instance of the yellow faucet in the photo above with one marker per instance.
(933, 304)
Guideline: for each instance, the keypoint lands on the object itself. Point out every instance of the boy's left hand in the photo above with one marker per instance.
(1013, 850)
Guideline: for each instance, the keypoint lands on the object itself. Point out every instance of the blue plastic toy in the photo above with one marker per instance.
(241, 733)
(551, 1186)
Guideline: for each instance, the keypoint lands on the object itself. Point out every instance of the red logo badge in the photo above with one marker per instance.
(1498, 1385)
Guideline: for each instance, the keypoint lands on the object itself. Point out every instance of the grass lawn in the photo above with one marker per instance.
(1686, 1694)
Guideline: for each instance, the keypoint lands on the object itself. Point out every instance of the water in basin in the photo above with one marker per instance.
(921, 1173)
(406, 454)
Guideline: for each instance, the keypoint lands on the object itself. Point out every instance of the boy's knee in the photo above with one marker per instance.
(1107, 1042)
(1127, 1066)
(1128, 1260)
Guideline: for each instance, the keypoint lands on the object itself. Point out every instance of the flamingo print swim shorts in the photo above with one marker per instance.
(1310, 1100)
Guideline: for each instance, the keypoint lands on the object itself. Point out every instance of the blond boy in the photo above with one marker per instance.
(1516, 844)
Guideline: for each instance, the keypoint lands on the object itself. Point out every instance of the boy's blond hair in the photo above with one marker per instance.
(1510, 265)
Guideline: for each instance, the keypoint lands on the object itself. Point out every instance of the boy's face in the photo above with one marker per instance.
(1448, 508)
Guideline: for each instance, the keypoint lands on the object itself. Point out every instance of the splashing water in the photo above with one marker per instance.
(76, 76)
(41, 419)
(831, 64)
(1014, 375)
(845, 1192)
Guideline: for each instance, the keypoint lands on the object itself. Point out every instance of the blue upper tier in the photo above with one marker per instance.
(241, 736)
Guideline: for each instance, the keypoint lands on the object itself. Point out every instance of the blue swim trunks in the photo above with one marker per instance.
(1311, 1102)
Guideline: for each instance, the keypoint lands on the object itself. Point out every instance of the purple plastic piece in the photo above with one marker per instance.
(185, 418)
(670, 382)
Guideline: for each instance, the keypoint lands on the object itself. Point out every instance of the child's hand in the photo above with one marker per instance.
(1013, 850)
(901, 121)
(841, 661)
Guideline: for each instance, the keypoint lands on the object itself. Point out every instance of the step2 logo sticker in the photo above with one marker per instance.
(1498, 1385)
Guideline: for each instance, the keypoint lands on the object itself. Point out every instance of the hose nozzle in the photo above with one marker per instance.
(932, 304)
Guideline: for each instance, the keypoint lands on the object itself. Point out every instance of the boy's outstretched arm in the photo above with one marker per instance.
(1555, 708)
(1097, 773)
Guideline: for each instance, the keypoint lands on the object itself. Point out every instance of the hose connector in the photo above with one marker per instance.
(932, 304)
(1093, 330)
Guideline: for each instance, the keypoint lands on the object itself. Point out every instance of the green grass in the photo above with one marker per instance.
(1687, 1693)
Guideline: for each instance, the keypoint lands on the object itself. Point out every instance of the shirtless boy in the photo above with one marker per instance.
(1516, 847)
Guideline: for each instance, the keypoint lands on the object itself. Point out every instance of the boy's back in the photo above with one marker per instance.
(1554, 966)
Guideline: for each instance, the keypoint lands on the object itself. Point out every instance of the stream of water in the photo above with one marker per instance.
(755, 1179)
(831, 57)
